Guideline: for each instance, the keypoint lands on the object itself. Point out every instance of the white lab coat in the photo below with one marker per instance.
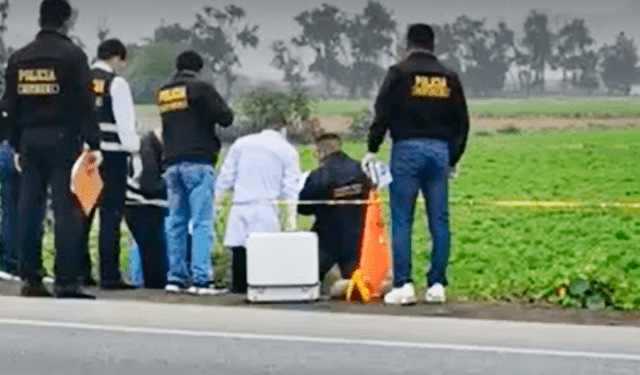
(260, 168)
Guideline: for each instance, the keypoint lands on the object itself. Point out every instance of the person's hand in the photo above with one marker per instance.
(17, 162)
(292, 218)
(98, 158)
(369, 158)
(453, 172)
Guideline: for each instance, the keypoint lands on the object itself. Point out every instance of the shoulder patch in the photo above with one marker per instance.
(173, 99)
(430, 87)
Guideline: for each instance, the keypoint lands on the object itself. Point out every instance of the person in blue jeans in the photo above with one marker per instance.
(190, 109)
(422, 104)
(9, 188)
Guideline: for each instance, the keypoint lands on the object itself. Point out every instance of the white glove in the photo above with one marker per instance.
(453, 172)
(369, 158)
(16, 162)
(292, 217)
(217, 201)
(98, 155)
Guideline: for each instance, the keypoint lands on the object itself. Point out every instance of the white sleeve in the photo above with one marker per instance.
(292, 175)
(125, 114)
(228, 172)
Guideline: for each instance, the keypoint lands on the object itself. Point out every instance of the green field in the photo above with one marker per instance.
(527, 252)
(603, 107)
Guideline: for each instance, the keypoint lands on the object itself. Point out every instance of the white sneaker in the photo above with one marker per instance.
(339, 288)
(401, 296)
(172, 288)
(435, 294)
(198, 291)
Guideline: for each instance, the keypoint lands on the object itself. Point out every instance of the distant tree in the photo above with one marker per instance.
(103, 30)
(572, 54)
(149, 66)
(322, 30)
(480, 55)
(371, 37)
(538, 45)
(174, 33)
(291, 65)
(4, 51)
(618, 63)
(218, 35)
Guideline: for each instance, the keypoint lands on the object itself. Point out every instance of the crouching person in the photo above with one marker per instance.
(338, 226)
(146, 209)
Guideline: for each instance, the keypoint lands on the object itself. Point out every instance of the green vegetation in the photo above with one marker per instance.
(603, 107)
(582, 255)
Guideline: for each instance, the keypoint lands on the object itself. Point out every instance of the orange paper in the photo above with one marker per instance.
(86, 182)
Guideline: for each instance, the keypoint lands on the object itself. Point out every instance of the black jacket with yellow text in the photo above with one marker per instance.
(190, 109)
(48, 85)
(420, 98)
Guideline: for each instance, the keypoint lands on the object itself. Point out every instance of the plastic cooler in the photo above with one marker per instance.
(282, 267)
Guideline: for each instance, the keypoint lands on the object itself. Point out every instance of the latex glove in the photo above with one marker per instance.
(453, 172)
(217, 201)
(17, 162)
(97, 154)
(369, 158)
(292, 217)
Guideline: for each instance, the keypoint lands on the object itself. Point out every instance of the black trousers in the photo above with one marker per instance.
(239, 270)
(111, 206)
(347, 262)
(48, 156)
(146, 223)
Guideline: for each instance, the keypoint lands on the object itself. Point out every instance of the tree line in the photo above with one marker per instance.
(350, 52)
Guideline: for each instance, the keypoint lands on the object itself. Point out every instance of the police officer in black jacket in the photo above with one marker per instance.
(423, 105)
(338, 227)
(190, 109)
(52, 115)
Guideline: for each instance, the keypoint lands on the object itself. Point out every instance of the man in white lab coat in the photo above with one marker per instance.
(260, 168)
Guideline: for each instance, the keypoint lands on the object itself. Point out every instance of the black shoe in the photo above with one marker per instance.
(116, 285)
(88, 282)
(34, 290)
(72, 291)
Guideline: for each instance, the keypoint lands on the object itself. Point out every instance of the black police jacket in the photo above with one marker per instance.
(420, 98)
(338, 226)
(190, 108)
(48, 85)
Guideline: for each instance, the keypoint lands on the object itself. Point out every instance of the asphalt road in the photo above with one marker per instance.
(45, 336)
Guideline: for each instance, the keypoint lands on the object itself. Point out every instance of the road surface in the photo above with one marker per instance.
(47, 336)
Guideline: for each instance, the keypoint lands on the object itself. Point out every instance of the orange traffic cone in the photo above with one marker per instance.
(373, 268)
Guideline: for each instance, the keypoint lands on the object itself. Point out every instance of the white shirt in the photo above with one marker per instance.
(260, 167)
(123, 110)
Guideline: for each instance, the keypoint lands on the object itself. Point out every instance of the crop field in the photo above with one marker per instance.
(531, 212)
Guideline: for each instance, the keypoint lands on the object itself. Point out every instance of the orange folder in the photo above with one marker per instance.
(368, 280)
(86, 182)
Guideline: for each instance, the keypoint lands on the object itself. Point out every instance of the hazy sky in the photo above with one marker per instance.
(132, 20)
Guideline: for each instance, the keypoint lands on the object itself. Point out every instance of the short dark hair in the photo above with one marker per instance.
(54, 13)
(110, 48)
(189, 60)
(328, 137)
(328, 144)
(420, 35)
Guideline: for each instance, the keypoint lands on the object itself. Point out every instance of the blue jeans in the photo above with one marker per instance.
(190, 189)
(135, 264)
(9, 188)
(419, 164)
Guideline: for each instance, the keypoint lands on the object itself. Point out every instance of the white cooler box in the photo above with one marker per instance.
(282, 267)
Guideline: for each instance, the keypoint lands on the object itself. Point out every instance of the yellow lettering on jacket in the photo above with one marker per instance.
(37, 82)
(99, 86)
(430, 87)
(173, 99)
